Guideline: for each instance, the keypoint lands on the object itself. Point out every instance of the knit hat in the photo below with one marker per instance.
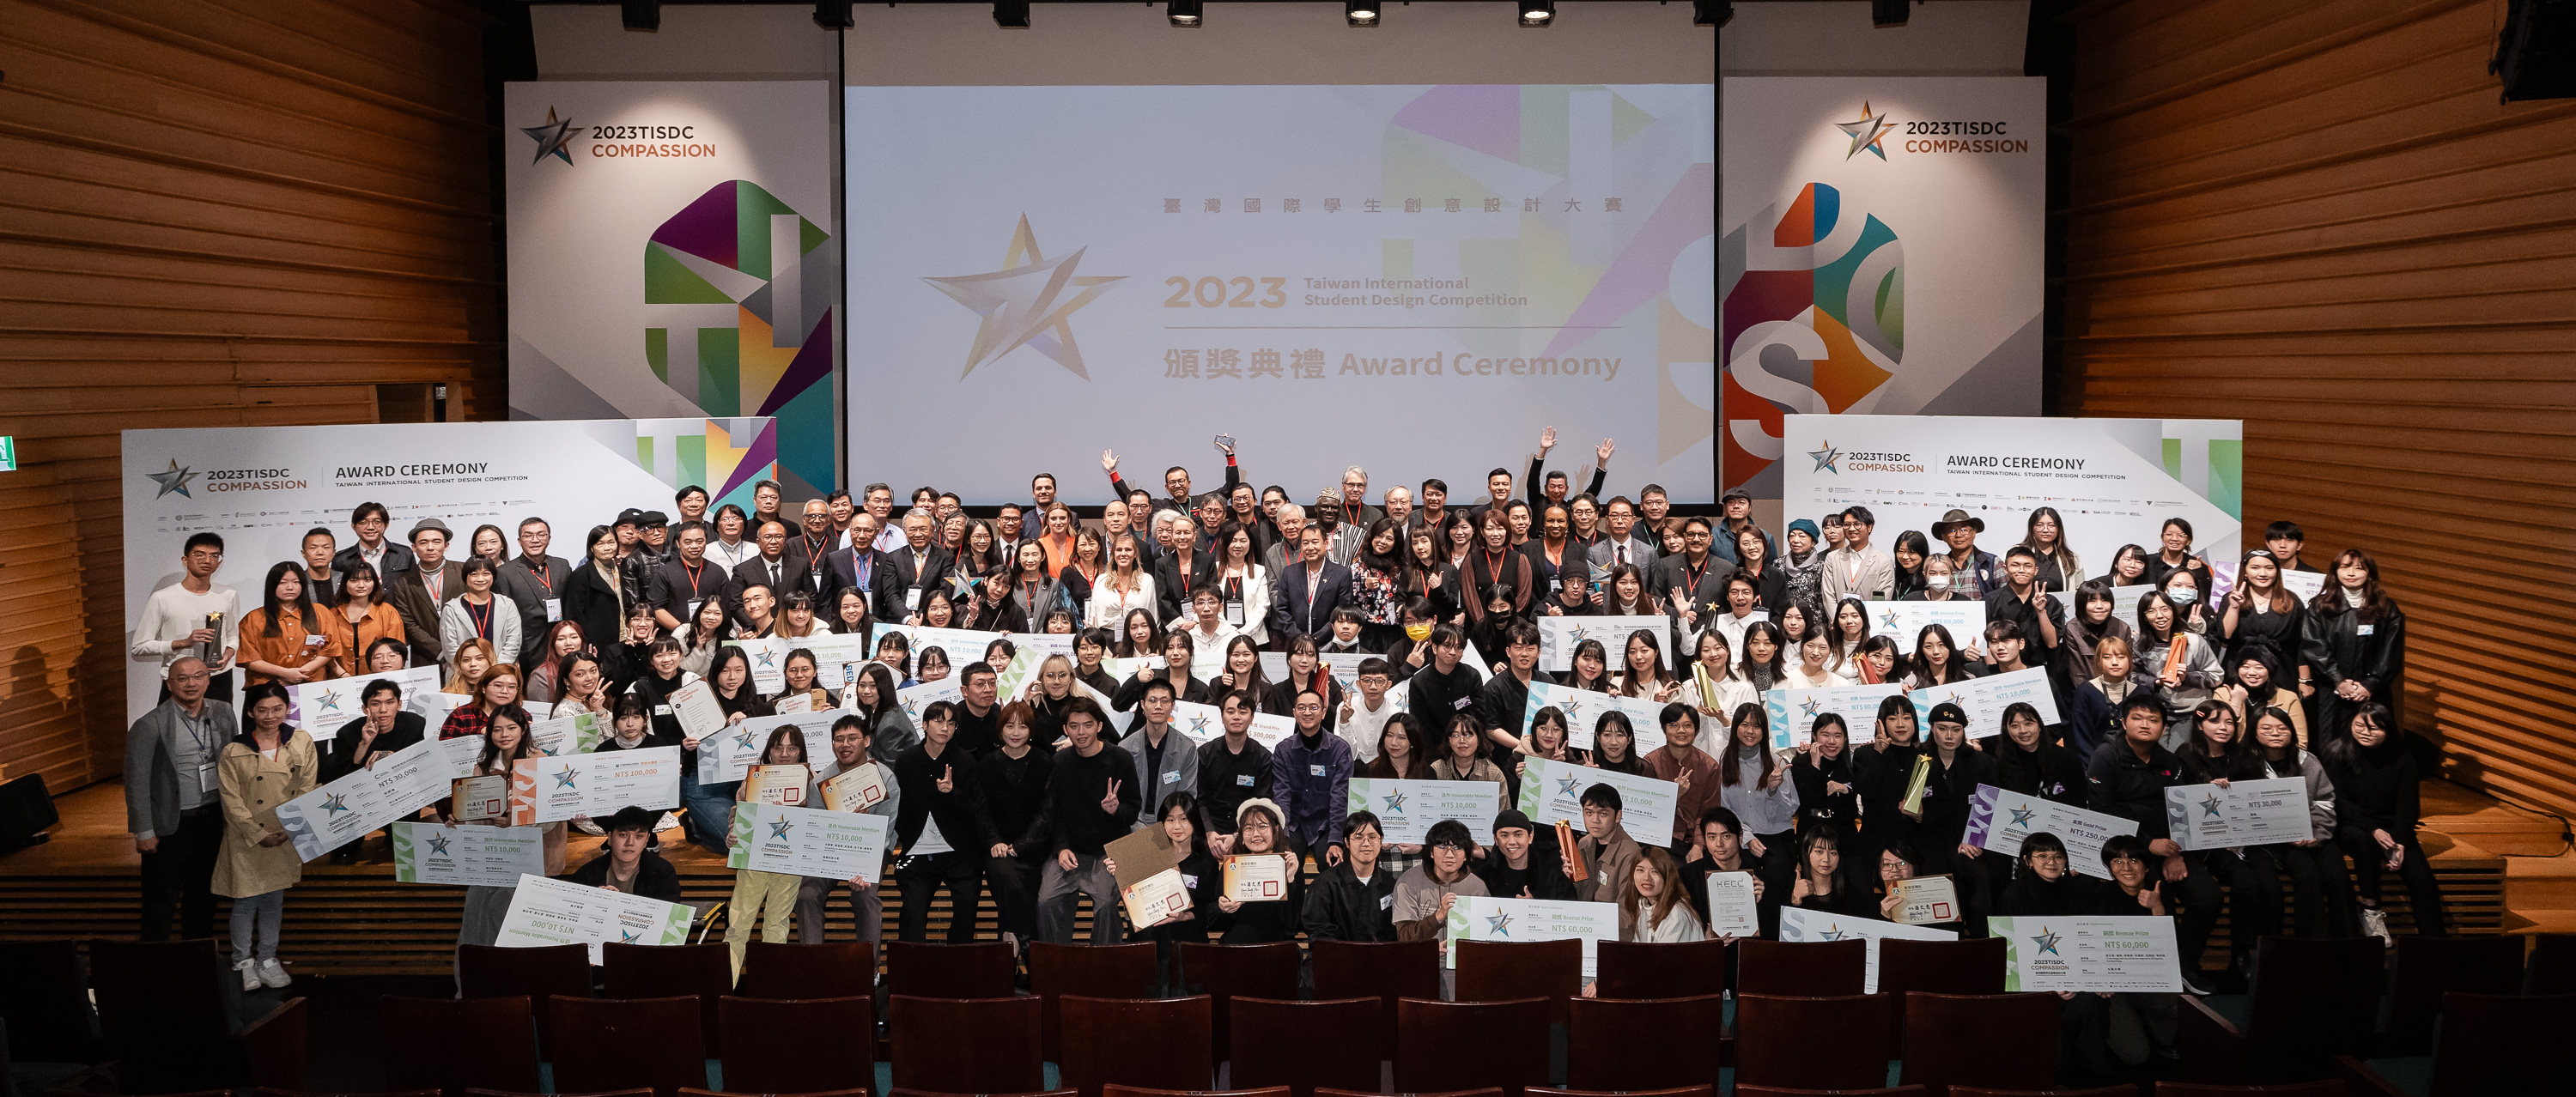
(1807, 527)
(1512, 819)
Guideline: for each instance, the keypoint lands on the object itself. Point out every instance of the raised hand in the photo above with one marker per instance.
(1109, 802)
(948, 779)
(1546, 440)
(1109, 461)
(1604, 451)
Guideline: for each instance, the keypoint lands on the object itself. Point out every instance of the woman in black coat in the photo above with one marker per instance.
(590, 597)
(2362, 635)
(2027, 763)
(2376, 810)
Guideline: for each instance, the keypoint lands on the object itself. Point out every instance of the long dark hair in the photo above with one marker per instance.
(2375, 602)
(1772, 671)
(1383, 564)
(1729, 771)
(2064, 556)
(527, 748)
(883, 676)
(1952, 669)
(1418, 766)
(1907, 579)
(2343, 750)
(274, 609)
(375, 583)
(1632, 764)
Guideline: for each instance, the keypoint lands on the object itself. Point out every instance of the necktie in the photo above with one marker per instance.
(773, 576)
(1623, 554)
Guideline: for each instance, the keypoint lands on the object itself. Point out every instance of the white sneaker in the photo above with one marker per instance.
(249, 970)
(273, 973)
(587, 827)
(2374, 922)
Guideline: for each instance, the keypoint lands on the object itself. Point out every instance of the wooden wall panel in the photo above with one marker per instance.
(212, 213)
(2320, 219)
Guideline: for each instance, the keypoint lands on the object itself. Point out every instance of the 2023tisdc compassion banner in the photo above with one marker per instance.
(671, 256)
(1404, 272)
(261, 488)
(1882, 253)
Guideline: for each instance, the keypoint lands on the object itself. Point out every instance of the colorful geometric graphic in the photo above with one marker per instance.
(749, 327)
(725, 456)
(1813, 320)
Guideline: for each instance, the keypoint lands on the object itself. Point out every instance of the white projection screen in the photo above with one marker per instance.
(1409, 248)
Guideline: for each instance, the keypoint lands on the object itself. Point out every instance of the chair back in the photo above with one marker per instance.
(1973, 965)
(666, 971)
(1384, 970)
(1093, 971)
(1133, 1091)
(1742, 1090)
(45, 1002)
(869, 1092)
(1446, 1046)
(1775, 1040)
(931, 1051)
(1223, 972)
(161, 1007)
(451, 1045)
(1950, 1040)
(2553, 964)
(603, 1093)
(798, 1045)
(1152, 1043)
(1801, 968)
(1274, 1045)
(539, 975)
(2502, 1043)
(2327, 1088)
(1604, 1051)
(2313, 999)
(786, 971)
(272, 1091)
(1486, 1092)
(1629, 969)
(1506, 971)
(628, 1043)
(2427, 968)
(1706, 1090)
(899, 1091)
(917, 969)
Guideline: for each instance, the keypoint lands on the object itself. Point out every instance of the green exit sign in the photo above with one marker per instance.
(8, 453)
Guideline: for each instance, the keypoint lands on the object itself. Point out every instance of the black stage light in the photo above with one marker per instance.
(1887, 13)
(1537, 13)
(1186, 13)
(1011, 14)
(1712, 13)
(832, 14)
(645, 15)
(1360, 13)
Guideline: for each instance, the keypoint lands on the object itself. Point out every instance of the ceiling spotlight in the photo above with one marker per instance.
(1712, 13)
(1360, 13)
(1887, 13)
(1186, 13)
(645, 15)
(832, 14)
(1011, 14)
(1537, 13)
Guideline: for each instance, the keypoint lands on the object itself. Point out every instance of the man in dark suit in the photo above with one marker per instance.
(1308, 592)
(917, 568)
(772, 568)
(676, 586)
(418, 591)
(1691, 581)
(857, 567)
(808, 547)
(535, 583)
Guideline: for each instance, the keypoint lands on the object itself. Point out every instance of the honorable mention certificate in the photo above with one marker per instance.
(1794, 711)
(575, 734)
(1733, 909)
(1407, 809)
(396, 787)
(1559, 636)
(1798, 924)
(545, 911)
(1986, 698)
(1552, 792)
(1927, 900)
(1154, 898)
(834, 845)
(467, 856)
(1905, 621)
(1257, 877)
(1583, 710)
(475, 799)
(855, 789)
(694, 705)
(1206, 723)
(2096, 955)
(1484, 918)
(2245, 813)
(1999, 820)
(544, 790)
(782, 784)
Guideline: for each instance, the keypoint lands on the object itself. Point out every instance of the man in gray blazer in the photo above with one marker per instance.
(172, 806)
(1167, 761)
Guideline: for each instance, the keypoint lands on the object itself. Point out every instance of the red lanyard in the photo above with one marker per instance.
(1494, 565)
(694, 572)
(482, 620)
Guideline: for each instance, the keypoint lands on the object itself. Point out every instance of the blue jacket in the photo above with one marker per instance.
(1313, 786)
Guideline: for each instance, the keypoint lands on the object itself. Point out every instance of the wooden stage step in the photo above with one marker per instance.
(2491, 824)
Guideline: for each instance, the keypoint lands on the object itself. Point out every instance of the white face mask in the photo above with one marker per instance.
(1937, 582)
(2182, 596)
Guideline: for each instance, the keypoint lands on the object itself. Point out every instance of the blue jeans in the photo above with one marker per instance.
(710, 810)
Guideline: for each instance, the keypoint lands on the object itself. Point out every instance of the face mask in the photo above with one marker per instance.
(1417, 633)
(2182, 597)
(1937, 582)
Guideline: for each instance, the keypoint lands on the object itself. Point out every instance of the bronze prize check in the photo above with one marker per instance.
(544, 790)
(1256, 878)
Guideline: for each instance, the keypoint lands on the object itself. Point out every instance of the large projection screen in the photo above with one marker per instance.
(1414, 276)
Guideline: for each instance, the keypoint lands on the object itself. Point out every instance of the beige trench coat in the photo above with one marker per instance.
(253, 786)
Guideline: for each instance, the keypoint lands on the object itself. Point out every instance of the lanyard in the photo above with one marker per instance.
(539, 570)
(482, 620)
(694, 571)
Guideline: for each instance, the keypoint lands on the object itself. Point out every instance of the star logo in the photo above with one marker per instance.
(742, 741)
(2209, 805)
(628, 937)
(1027, 303)
(2047, 942)
(778, 828)
(173, 482)
(1198, 726)
(1825, 459)
(1573, 710)
(1500, 925)
(1810, 707)
(1866, 132)
(2022, 815)
(334, 804)
(1395, 803)
(551, 138)
(566, 778)
(1835, 933)
(327, 704)
(1565, 784)
(768, 658)
(438, 844)
(1887, 619)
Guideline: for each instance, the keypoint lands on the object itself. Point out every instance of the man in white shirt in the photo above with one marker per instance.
(1209, 634)
(879, 501)
(867, 906)
(1364, 713)
(1856, 569)
(174, 625)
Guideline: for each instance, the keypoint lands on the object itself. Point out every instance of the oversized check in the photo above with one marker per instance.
(1985, 699)
(2304, 585)
(1344, 666)
(1798, 924)
(729, 754)
(544, 790)
(1793, 712)
(1406, 810)
(1120, 723)
(1485, 918)
(914, 699)
(1552, 792)
(1965, 618)
(2245, 813)
(469, 856)
(2095, 955)
(575, 734)
(1046, 643)
(1733, 908)
(1206, 724)
(1559, 636)
(396, 787)
(962, 645)
(1583, 710)
(833, 845)
(432, 706)
(2124, 602)
(1022, 670)
(462, 754)
(768, 656)
(545, 911)
(321, 709)
(1999, 820)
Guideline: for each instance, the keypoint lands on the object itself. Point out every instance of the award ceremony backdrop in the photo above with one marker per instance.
(1271, 261)
(670, 257)
(2113, 481)
(263, 487)
(1882, 253)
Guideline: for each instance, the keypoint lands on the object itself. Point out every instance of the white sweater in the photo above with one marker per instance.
(173, 612)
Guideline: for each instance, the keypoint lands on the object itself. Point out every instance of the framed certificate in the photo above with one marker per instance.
(856, 789)
(480, 798)
(1257, 878)
(781, 784)
(1927, 900)
(1734, 910)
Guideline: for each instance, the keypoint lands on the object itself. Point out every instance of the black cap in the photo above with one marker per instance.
(1732, 496)
(1949, 713)
(1512, 819)
(629, 517)
(654, 518)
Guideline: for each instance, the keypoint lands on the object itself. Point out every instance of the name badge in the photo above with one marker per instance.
(206, 779)
(911, 597)
(1462, 702)
(1243, 780)
(1172, 778)
(1234, 611)
(694, 603)
(2365, 630)
(1386, 902)
(1314, 771)
(554, 610)
(317, 641)
(661, 710)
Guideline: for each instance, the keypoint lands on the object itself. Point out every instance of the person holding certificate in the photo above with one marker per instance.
(1262, 900)
(1091, 800)
(1605, 851)
(1949, 784)
(1897, 864)
(266, 765)
(2026, 762)
(504, 744)
(1720, 848)
(1717, 685)
(2128, 778)
(767, 896)
(1822, 772)
(2215, 754)
(383, 729)
(846, 781)
(1201, 875)
(1424, 895)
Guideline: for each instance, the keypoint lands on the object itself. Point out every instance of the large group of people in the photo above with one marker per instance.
(2162, 678)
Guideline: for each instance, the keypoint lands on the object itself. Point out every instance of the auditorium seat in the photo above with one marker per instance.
(168, 1026)
(803, 1045)
(2553, 964)
(1152, 1043)
(628, 1044)
(1981, 1091)
(1507, 971)
(540, 975)
(1447, 1046)
(1775, 1034)
(1486, 1092)
(1093, 971)
(44, 1001)
(1706, 1090)
(451, 1045)
(1132, 1091)
(1003, 1056)
(2312, 999)
(869, 1092)
(1742, 1090)
(1826, 968)
(917, 969)
(266, 1091)
(1384, 970)
(1604, 1051)
(2328, 1088)
(2426, 968)
(1973, 965)
(565, 1093)
(1223, 972)
(1273, 1044)
(902, 1092)
(2490, 1044)
(664, 971)
(779, 970)
(1629, 969)
(1950, 1040)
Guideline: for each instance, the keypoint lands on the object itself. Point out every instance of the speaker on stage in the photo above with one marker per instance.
(2536, 52)
(26, 813)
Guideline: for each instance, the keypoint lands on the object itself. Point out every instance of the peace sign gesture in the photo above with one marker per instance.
(948, 779)
(1109, 800)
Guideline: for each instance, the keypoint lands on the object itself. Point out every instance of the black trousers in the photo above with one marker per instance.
(1015, 893)
(2193, 901)
(179, 876)
(922, 877)
(2323, 888)
(2253, 896)
(2367, 865)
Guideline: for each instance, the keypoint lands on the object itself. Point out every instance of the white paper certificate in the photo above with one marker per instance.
(1257, 877)
(544, 790)
(2245, 813)
(1927, 900)
(1206, 723)
(1559, 636)
(322, 708)
(833, 845)
(1552, 792)
(461, 754)
(1794, 711)
(962, 645)
(1155, 898)
(1799, 924)
(1999, 820)
(2303, 585)
(396, 787)
(1406, 809)
(855, 789)
(575, 734)
(1732, 909)
(470, 856)
(1583, 710)
(1484, 918)
(547, 911)
(1986, 698)
(2096, 955)
(2124, 601)
(694, 705)
(1905, 621)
